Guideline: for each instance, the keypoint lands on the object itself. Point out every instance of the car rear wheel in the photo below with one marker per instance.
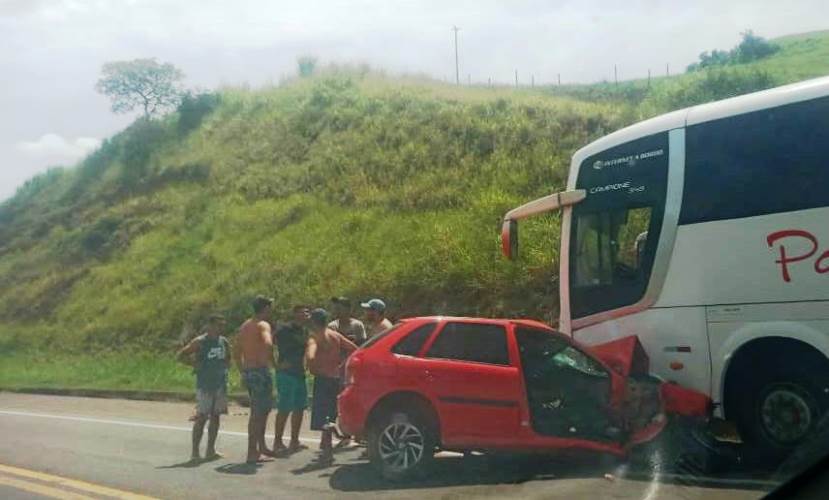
(401, 444)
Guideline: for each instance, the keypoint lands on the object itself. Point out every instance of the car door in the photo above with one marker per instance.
(469, 375)
(569, 393)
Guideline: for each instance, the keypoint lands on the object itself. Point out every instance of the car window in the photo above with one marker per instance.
(411, 344)
(477, 342)
(537, 347)
(578, 360)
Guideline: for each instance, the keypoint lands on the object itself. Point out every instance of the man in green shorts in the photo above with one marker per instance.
(291, 393)
(210, 354)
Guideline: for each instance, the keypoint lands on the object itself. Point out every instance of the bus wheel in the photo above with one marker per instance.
(781, 409)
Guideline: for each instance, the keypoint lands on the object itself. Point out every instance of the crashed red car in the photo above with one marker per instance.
(464, 384)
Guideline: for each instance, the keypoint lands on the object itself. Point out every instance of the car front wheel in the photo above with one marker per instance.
(401, 445)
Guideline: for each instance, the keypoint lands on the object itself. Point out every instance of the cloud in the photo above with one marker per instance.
(57, 148)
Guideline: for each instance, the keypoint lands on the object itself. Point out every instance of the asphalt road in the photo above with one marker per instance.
(66, 447)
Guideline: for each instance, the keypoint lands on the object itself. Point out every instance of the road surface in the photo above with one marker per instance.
(67, 447)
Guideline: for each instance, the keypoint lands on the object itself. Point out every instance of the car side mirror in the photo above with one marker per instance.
(509, 239)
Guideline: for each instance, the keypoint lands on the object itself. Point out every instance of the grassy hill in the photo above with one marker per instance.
(348, 182)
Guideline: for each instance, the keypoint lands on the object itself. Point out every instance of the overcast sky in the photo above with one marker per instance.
(51, 51)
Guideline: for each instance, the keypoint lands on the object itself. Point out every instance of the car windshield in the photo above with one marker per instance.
(314, 249)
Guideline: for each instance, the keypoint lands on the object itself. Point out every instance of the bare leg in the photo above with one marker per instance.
(212, 433)
(327, 450)
(296, 425)
(198, 431)
(260, 435)
(253, 425)
(279, 430)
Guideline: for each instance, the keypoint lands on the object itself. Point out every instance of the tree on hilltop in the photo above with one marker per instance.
(143, 83)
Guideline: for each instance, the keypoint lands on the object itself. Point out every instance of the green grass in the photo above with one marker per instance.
(110, 371)
(349, 182)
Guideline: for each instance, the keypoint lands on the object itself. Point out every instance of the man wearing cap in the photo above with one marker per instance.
(353, 329)
(323, 360)
(254, 357)
(375, 310)
(209, 354)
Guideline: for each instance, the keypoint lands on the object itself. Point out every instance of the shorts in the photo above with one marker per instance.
(324, 405)
(260, 388)
(211, 403)
(291, 393)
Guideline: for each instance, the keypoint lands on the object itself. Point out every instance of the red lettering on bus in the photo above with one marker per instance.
(785, 260)
(822, 268)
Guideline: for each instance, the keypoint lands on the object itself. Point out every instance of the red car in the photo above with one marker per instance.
(463, 384)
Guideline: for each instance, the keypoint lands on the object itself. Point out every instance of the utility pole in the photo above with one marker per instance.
(649, 78)
(516, 78)
(667, 69)
(559, 79)
(532, 81)
(615, 75)
(469, 79)
(457, 67)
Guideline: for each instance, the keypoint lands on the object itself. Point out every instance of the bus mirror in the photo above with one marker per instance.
(509, 239)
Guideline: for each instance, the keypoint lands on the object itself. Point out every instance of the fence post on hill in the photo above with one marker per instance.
(649, 78)
(469, 79)
(615, 76)
(532, 81)
(489, 82)
(667, 69)
(559, 79)
(516, 78)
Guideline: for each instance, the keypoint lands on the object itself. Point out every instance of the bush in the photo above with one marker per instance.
(712, 85)
(141, 140)
(194, 108)
(751, 48)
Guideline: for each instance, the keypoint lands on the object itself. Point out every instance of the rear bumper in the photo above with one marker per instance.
(353, 409)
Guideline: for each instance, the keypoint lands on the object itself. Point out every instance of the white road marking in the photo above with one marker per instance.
(129, 423)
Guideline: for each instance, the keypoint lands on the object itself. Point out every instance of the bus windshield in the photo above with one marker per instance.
(611, 246)
(615, 229)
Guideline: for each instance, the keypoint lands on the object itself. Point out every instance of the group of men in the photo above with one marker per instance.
(309, 342)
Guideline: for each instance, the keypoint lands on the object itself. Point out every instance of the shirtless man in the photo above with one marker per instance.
(323, 358)
(254, 357)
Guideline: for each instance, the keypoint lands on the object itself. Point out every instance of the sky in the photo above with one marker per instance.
(51, 51)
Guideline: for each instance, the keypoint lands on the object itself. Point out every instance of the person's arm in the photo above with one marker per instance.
(267, 340)
(345, 344)
(229, 354)
(311, 354)
(183, 355)
(237, 353)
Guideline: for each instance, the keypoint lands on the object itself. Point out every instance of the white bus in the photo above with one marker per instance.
(705, 232)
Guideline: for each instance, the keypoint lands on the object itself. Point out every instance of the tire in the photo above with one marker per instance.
(401, 444)
(781, 410)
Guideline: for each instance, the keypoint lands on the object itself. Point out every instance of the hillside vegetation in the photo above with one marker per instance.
(347, 182)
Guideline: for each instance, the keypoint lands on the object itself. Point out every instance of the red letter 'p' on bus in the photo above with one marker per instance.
(785, 259)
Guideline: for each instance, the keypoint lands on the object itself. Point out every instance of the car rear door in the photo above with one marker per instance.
(468, 373)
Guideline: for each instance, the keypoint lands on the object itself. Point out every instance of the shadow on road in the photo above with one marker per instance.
(483, 470)
(243, 468)
(190, 464)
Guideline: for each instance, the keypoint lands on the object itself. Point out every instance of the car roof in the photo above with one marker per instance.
(492, 321)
